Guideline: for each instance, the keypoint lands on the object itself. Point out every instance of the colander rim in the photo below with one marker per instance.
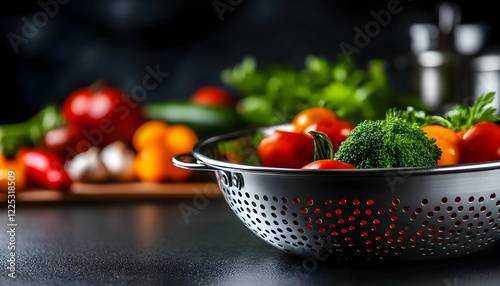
(235, 167)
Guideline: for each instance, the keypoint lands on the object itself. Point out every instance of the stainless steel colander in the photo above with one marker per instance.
(393, 214)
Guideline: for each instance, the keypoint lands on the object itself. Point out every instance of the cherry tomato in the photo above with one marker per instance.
(328, 164)
(152, 132)
(157, 143)
(311, 115)
(336, 130)
(150, 164)
(447, 140)
(213, 96)
(481, 143)
(104, 114)
(284, 149)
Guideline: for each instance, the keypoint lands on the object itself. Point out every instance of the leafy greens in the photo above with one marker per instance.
(458, 118)
(275, 94)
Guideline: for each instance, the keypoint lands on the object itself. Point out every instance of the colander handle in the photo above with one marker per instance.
(188, 161)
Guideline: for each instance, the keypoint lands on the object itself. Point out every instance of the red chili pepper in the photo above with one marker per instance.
(44, 169)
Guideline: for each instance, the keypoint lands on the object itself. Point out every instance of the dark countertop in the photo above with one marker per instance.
(150, 243)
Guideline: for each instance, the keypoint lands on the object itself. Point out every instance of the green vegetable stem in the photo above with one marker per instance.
(323, 148)
(30, 132)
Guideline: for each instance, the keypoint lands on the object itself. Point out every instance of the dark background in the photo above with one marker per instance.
(116, 40)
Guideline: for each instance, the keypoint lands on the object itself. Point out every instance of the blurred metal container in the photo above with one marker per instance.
(436, 79)
(424, 37)
(470, 39)
(437, 64)
(444, 74)
(486, 69)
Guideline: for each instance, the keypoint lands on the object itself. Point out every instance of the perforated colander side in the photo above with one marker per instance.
(392, 213)
(377, 226)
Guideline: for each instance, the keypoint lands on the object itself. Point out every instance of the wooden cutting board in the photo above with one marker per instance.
(120, 192)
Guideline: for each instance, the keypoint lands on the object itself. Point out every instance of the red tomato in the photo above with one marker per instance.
(104, 114)
(312, 115)
(328, 164)
(65, 141)
(481, 143)
(336, 130)
(284, 149)
(213, 96)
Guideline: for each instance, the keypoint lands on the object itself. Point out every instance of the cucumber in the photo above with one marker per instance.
(205, 121)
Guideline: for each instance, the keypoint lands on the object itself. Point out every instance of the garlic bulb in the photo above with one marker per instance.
(87, 167)
(119, 160)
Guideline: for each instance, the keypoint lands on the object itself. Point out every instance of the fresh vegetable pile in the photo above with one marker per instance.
(464, 134)
(100, 134)
(405, 138)
(285, 149)
(343, 118)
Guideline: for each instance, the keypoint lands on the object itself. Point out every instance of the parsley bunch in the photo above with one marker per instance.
(458, 118)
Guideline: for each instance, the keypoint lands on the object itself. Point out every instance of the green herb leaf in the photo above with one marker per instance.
(463, 118)
(418, 117)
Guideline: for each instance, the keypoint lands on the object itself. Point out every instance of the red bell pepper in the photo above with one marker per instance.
(44, 169)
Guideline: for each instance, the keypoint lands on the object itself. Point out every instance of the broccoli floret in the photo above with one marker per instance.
(388, 143)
